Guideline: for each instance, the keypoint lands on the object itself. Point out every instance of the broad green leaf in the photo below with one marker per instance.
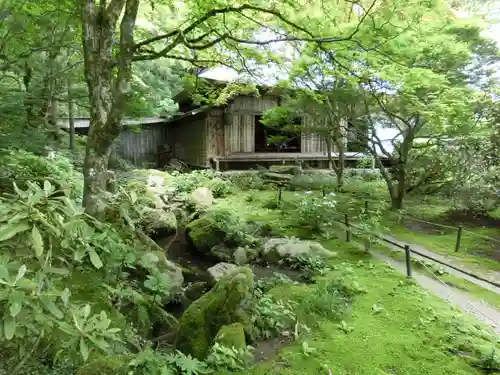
(15, 308)
(20, 273)
(4, 273)
(95, 259)
(84, 349)
(65, 296)
(86, 311)
(7, 231)
(47, 187)
(100, 343)
(79, 254)
(37, 240)
(133, 197)
(49, 304)
(9, 327)
(58, 271)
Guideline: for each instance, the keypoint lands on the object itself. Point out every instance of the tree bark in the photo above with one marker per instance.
(71, 120)
(107, 91)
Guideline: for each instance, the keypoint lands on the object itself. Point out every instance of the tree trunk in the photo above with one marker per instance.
(107, 90)
(398, 189)
(71, 120)
(329, 150)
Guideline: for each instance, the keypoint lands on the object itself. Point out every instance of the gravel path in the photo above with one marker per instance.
(492, 275)
(464, 301)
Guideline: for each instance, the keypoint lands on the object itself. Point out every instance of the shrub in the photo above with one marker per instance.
(46, 236)
(219, 227)
(309, 265)
(219, 187)
(325, 300)
(314, 181)
(360, 187)
(314, 213)
(223, 358)
(22, 167)
(188, 182)
(248, 180)
(480, 193)
(271, 316)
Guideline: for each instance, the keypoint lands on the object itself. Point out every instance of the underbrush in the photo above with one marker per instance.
(82, 295)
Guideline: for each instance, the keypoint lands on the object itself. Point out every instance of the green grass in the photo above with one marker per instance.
(413, 334)
(472, 251)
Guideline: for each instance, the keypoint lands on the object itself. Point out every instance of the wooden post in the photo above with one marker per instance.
(279, 193)
(347, 230)
(459, 238)
(408, 260)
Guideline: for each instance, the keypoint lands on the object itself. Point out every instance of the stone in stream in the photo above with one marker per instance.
(275, 249)
(203, 197)
(223, 305)
(220, 270)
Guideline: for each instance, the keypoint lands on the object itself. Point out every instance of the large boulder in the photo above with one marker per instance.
(220, 270)
(204, 233)
(221, 306)
(219, 232)
(231, 336)
(202, 197)
(276, 249)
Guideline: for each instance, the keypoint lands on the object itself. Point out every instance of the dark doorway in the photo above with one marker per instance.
(275, 139)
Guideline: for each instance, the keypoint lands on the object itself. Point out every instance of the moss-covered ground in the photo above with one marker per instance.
(395, 327)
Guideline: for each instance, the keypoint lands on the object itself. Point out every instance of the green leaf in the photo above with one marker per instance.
(79, 254)
(15, 308)
(95, 259)
(133, 197)
(20, 273)
(65, 296)
(84, 349)
(47, 187)
(100, 343)
(49, 304)
(9, 327)
(86, 311)
(37, 240)
(8, 231)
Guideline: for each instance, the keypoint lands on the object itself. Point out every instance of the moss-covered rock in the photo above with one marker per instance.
(196, 290)
(276, 249)
(204, 233)
(232, 336)
(219, 232)
(109, 365)
(222, 305)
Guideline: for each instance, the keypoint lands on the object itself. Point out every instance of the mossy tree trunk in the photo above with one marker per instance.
(107, 78)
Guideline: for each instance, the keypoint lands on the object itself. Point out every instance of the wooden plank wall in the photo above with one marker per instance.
(190, 140)
(139, 145)
(240, 121)
(215, 133)
(312, 142)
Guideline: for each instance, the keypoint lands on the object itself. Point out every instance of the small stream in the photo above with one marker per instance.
(181, 252)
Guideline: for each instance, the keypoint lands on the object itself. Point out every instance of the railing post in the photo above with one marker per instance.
(347, 230)
(408, 260)
(459, 239)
